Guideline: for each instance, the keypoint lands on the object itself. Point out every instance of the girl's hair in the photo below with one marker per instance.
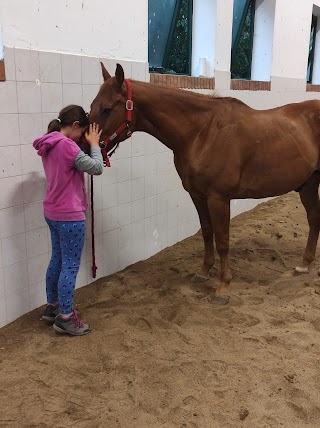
(67, 116)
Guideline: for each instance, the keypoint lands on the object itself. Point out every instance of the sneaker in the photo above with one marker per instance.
(50, 313)
(72, 325)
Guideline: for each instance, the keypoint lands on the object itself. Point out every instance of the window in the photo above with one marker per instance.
(170, 36)
(312, 44)
(242, 38)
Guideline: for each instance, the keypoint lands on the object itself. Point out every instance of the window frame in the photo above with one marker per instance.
(314, 23)
(162, 69)
(236, 38)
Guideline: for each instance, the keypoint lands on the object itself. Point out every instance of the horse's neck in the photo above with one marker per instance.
(171, 116)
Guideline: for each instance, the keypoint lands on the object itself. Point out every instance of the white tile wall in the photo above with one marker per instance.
(29, 97)
(150, 206)
(31, 163)
(34, 186)
(15, 277)
(3, 312)
(37, 268)
(14, 249)
(1, 283)
(17, 304)
(51, 97)
(37, 295)
(11, 223)
(125, 236)
(125, 256)
(11, 191)
(124, 190)
(138, 188)
(27, 65)
(124, 214)
(37, 242)
(71, 94)
(89, 92)
(33, 213)
(50, 67)
(31, 127)
(91, 71)
(71, 69)
(9, 126)
(138, 231)
(138, 210)
(10, 161)
(109, 195)
(110, 219)
(10, 64)
(8, 97)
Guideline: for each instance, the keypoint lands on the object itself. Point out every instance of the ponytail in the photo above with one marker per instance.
(54, 125)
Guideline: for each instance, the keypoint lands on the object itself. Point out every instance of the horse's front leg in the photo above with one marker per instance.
(310, 198)
(207, 234)
(220, 215)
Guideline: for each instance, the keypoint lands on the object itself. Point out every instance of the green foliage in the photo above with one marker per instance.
(179, 53)
(241, 57)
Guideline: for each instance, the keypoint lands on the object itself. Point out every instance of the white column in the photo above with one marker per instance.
(224, 34)
(1, 44)
(203, 37)
(263, 40)
(223, 44)
(291, 38)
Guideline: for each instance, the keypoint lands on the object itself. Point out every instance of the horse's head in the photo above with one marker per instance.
(110, 108)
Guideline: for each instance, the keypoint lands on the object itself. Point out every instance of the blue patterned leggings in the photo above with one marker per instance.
(67, 239)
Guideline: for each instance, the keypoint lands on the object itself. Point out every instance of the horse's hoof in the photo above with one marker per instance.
(198, 279)
(301, 269)
(219, 300)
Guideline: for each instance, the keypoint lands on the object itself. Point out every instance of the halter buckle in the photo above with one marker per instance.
(129, 105)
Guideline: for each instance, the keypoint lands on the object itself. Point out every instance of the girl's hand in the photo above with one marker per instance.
(93, 134)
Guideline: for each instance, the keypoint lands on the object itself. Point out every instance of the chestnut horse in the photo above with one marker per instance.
(223, 150)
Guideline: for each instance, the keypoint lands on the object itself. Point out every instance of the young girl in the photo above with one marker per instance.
(65, 204)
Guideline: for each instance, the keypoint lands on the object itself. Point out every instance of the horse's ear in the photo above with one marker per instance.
(119, 75)
(105, 73)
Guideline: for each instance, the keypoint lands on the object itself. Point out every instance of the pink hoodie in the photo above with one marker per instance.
(66, 197)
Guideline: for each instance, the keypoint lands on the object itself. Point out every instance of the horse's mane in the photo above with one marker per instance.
(214, 96)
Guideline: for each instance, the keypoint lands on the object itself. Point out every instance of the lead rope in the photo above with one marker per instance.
(94, 267)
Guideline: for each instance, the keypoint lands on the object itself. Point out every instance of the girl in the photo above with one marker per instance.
(64, 205)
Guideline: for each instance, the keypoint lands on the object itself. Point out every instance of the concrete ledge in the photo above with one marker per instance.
(287, 84)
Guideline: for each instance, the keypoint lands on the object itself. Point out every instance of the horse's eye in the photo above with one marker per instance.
(107, 111)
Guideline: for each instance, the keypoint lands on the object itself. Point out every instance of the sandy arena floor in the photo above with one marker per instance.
(161, 355)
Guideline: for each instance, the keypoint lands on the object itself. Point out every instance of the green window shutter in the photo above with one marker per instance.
(242, 39)
(312, 43)
(170, 36)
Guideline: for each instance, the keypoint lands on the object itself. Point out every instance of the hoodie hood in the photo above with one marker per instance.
(45, 143)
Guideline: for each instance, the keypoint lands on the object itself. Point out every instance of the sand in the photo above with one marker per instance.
(161, 355)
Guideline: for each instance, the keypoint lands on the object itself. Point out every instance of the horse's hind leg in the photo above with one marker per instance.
(207, 234)
(310, 198)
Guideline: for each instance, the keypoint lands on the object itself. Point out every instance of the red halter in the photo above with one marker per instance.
(125, 125)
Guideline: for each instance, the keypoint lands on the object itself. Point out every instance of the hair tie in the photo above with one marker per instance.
(58, 119)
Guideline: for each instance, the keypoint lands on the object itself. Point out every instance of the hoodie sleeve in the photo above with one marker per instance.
(69, 150)
(92, 165)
